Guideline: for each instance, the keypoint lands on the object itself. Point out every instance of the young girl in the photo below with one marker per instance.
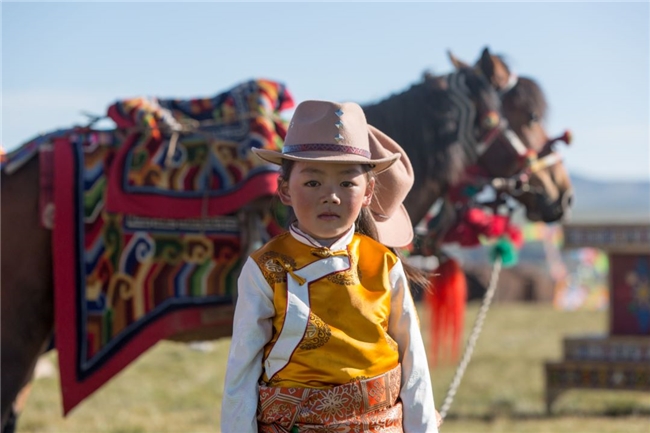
(326, 335)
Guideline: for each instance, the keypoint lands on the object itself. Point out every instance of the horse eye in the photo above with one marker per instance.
(533, 117)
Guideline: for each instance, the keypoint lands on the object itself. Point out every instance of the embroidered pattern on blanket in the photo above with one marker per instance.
(214, 160)
(131, 270)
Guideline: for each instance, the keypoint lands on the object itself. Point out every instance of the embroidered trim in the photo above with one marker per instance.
(371, 405)
(349, 277)
(317, 333)
(272, 266)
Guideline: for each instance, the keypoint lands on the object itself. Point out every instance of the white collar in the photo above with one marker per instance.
(340, 244)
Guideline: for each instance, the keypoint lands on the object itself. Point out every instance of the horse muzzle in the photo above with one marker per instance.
(551, 211)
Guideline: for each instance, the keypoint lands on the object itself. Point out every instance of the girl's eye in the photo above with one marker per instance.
(533, 117)
(347, 184)
(311, 183)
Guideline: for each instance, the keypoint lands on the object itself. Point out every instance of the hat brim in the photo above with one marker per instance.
(378, 165)
(396, 231)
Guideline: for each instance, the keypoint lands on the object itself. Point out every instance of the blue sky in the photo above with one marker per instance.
(591, 59)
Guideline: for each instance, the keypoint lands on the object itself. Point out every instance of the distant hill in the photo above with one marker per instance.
(610, 201)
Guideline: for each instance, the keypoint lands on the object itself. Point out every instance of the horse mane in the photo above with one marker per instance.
(423, 120)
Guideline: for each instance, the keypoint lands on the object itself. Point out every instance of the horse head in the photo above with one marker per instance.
(520, 156)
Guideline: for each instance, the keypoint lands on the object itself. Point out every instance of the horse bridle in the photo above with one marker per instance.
(497, 130)
(518, 184)
(494, 130)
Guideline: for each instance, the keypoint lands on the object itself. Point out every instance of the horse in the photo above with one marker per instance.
(452, 143)
(480, 128)
(480, 125)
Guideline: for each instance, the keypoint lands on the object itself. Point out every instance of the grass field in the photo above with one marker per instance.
(174, 389)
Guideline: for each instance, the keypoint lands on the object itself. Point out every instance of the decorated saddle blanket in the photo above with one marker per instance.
(147, 242)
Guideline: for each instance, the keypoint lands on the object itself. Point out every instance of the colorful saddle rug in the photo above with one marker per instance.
(147, 243)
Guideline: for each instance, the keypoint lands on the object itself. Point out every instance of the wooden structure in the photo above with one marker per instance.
(621, 359)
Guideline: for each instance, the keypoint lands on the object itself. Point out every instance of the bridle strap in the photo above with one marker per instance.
(489, 138)
(518, 183)
(508, 135)
(513, 139)
(544, 162)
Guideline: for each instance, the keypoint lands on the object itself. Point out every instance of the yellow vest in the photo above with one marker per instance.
(345, 338)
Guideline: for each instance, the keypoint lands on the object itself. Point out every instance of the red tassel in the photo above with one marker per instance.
(446, 301)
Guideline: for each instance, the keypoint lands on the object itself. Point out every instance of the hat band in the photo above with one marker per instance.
(325, 147)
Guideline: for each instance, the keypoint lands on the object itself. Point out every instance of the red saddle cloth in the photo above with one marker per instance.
(146, 243)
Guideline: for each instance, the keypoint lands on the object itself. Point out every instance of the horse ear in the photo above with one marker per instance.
(486, 64)
(458, 64)
(494, 69)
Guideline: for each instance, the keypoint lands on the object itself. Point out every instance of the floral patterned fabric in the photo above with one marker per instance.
(369, 405)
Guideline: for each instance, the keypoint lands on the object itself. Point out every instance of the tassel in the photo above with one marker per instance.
(447, 300)
(287, 267)
(507, 250)
(300, 280)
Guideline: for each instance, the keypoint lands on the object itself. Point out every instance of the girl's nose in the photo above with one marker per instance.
(331, 198)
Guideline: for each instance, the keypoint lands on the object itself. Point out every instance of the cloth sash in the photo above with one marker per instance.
(369, 405)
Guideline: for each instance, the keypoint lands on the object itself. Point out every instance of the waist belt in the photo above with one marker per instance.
(280, 408)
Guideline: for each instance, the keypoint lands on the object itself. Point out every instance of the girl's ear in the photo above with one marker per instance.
(370, 190)
(283, 192)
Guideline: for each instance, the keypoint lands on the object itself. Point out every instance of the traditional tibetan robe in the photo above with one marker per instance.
(311, 317)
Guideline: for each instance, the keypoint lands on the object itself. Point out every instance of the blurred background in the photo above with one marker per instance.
(61, 60)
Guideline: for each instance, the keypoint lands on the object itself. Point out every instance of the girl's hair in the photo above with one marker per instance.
(365, 225)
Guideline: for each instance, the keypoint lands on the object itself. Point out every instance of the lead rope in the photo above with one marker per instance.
(469, 348)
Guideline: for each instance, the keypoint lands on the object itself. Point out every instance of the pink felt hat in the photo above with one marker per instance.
(338, 133)
(391, 218)
(328, 132)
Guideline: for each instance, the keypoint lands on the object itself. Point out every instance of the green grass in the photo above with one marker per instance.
(173, 388)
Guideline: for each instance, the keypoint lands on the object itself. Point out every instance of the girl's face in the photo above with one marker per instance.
(326, 197)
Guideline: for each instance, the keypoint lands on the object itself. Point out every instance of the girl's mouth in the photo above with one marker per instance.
(328, 216)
